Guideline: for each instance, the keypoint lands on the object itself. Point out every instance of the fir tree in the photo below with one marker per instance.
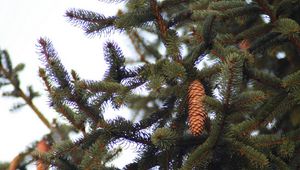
(242, 112)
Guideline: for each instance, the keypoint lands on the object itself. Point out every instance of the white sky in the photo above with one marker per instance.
(22, 23)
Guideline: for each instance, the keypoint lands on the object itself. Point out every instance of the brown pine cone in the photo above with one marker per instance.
(197, 113)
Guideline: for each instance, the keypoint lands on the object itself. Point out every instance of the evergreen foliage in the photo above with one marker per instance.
(252, 96)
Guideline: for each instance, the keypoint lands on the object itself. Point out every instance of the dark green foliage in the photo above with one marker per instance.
(115, 59)
(252, 94)
(163, 138)
(138, 17)
(91, 22)
(208, 33)
(54, 68)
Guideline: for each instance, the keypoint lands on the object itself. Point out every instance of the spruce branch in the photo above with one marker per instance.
(196, 54)
(180, 18)
(61, 80)
(136, 41)
(278, 161)
(53, 65)
(252, 117)
(275, 106)
(160, 21)
(168, 36)
(141, 17)
(9, 75)
(34, 108)
(257, 158)
(154, 117)
(239, 11)
(208, 72)
(59, 106)
(92, 23)
(263, 41)
(197, 34)
(263, 77)
(103, 86)
(225, 5)
(265, 6)
(249, 99)
(140, 42)
(204, 149)
(255, 31)
(232, 75)
(208, 31)
(173, 3)
(286, 26)
(279, 141)
(115, 59)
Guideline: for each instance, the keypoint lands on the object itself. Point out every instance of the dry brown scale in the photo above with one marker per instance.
(197, 113)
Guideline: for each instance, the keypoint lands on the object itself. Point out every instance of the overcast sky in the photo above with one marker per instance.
(22, 23)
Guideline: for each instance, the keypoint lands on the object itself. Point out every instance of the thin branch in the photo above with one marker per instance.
(27, 99)
(162, 26)
(277, 142)
(135, 39)
(161, 23)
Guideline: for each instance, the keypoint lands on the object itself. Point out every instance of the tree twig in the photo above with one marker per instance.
(26, 99)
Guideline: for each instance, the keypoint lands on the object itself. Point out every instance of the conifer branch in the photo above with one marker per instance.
(262, 41)
(203, 150)
(60, 107)
(172, 3)
(160, 21)
(225, 5)
(208, 72)
(255, 31)
(239, 11)
(164, 30)
(263, 77)
(257, 158)
(61, 77)
(91, 22)
(196, 54)
(277, 142)
(140, 45)
(248, 84)
(274, 106)
(136, 40)
(53, 65)
(26, 98)
(232, 77)
(35, 109)
(151, 50)
(278, 161)
(208, 31)
(180, 18)
(267, 9)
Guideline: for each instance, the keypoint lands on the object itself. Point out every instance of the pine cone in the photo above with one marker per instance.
(197, 114)
(42, 147)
